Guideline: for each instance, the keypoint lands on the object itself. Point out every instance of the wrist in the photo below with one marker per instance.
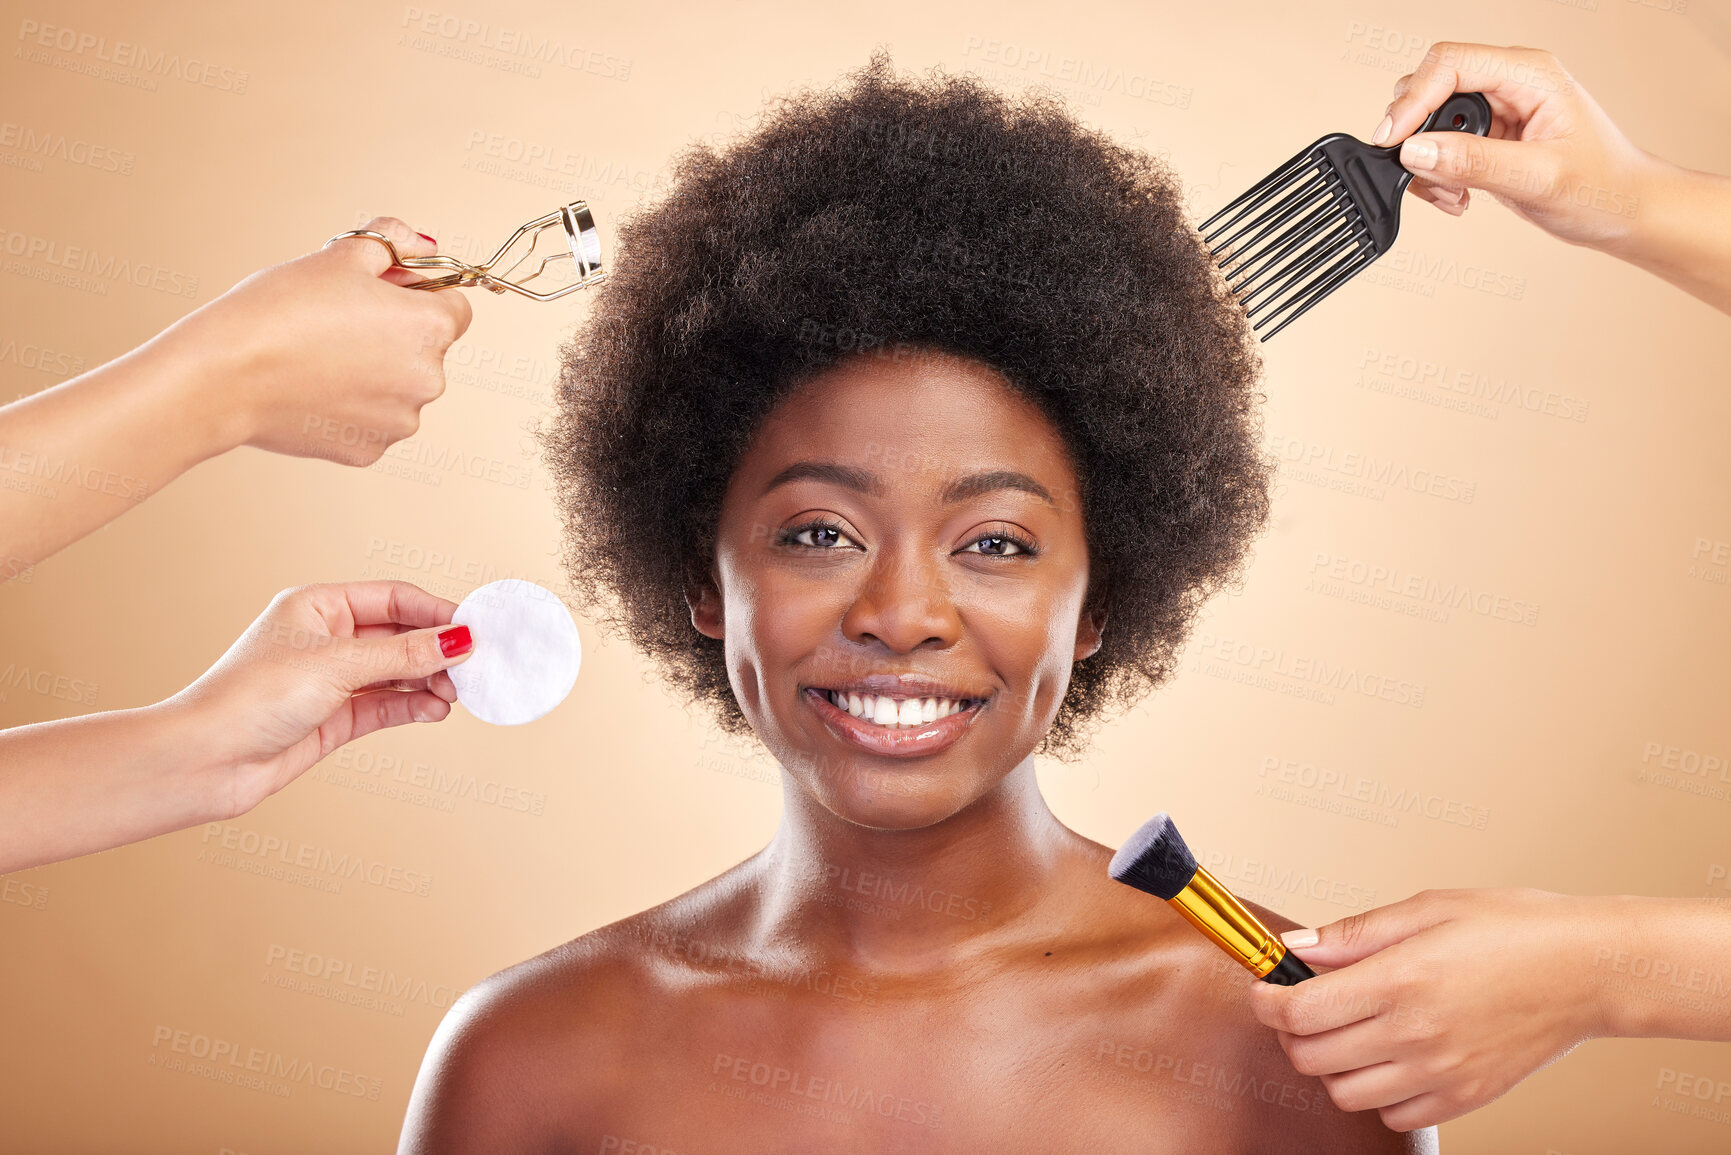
(202, 374)
(1607, 955)
(1652, 236)
(1636, 960)
(200, 773)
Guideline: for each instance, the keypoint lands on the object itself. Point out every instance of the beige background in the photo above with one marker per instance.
(1525, 740)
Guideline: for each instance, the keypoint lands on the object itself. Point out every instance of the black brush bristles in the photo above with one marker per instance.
(1319, 219)
(1155, 859)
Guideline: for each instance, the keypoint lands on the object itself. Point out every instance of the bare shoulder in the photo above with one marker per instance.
(1194, 1041)
(524, 1057)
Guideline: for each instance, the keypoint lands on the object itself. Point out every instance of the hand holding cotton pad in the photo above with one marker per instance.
(526, 652)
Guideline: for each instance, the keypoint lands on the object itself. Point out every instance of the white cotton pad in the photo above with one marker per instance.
(526, 652)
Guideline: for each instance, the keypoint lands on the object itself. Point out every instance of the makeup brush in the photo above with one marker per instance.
(1155, 860)
(1321, 218)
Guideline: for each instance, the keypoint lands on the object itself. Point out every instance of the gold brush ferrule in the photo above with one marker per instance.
(1213, 910)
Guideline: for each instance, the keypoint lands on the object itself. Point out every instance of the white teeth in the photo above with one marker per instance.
(894, 712)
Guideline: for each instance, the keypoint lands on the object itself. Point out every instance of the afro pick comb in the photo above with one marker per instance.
(1320, 219)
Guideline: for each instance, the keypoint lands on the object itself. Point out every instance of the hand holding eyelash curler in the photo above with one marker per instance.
(582, 241)
(319, 356)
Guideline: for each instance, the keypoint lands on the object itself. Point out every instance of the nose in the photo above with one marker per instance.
(903, 602)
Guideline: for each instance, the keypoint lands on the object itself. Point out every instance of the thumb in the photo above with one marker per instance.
(1338, 944)
(404, 657)
(1516, 169)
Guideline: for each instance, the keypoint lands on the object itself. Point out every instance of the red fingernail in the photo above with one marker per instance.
(426, 238)
(455, 641)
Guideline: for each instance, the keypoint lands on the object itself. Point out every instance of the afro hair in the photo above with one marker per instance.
(891, 213)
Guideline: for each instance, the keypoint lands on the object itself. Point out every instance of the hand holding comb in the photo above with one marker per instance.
(1321, 218)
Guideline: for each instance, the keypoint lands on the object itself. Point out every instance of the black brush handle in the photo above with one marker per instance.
(1290, 971)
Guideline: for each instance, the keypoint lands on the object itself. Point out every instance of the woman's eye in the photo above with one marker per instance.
(998, 545)
(818, 535)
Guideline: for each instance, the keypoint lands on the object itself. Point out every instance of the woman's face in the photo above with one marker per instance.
(901, 530)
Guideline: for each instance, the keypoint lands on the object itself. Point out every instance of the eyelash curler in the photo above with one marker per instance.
(581, 239)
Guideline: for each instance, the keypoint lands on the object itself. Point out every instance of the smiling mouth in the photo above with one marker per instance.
(897, 713)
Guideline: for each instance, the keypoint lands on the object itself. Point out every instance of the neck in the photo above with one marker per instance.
(907, 900)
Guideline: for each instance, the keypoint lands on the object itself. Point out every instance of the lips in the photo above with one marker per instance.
(898, 741)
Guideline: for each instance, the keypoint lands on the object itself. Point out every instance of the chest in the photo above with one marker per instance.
(831, 1074)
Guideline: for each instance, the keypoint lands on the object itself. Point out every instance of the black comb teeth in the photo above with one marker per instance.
(1319, 219)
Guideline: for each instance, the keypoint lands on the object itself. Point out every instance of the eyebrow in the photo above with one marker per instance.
(863, 481)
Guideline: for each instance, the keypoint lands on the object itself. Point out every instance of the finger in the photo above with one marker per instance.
(365, 603)
(1436, 194)
(1515, 81)
(1320, 1004)
(408, 657)
(442, 685)
(454, 312)
(1350, 939)
(1424, 1110)
(1347, 1048)
(1517, 169)
(1506, 120)
(1371, 1087)
(369, 254)
(403, 277)
(381, 630)
(398, 684)
(1452, 201)
(386, 708)
(409, 242)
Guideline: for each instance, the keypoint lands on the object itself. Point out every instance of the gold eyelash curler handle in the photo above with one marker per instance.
(581, 239)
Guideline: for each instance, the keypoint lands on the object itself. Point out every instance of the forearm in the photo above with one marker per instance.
(80, 785)
(1682, 231)
(75, 456)
(1661, 967)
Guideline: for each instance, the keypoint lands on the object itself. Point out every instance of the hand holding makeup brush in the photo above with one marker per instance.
(1439, 1004)
(1556, 159)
